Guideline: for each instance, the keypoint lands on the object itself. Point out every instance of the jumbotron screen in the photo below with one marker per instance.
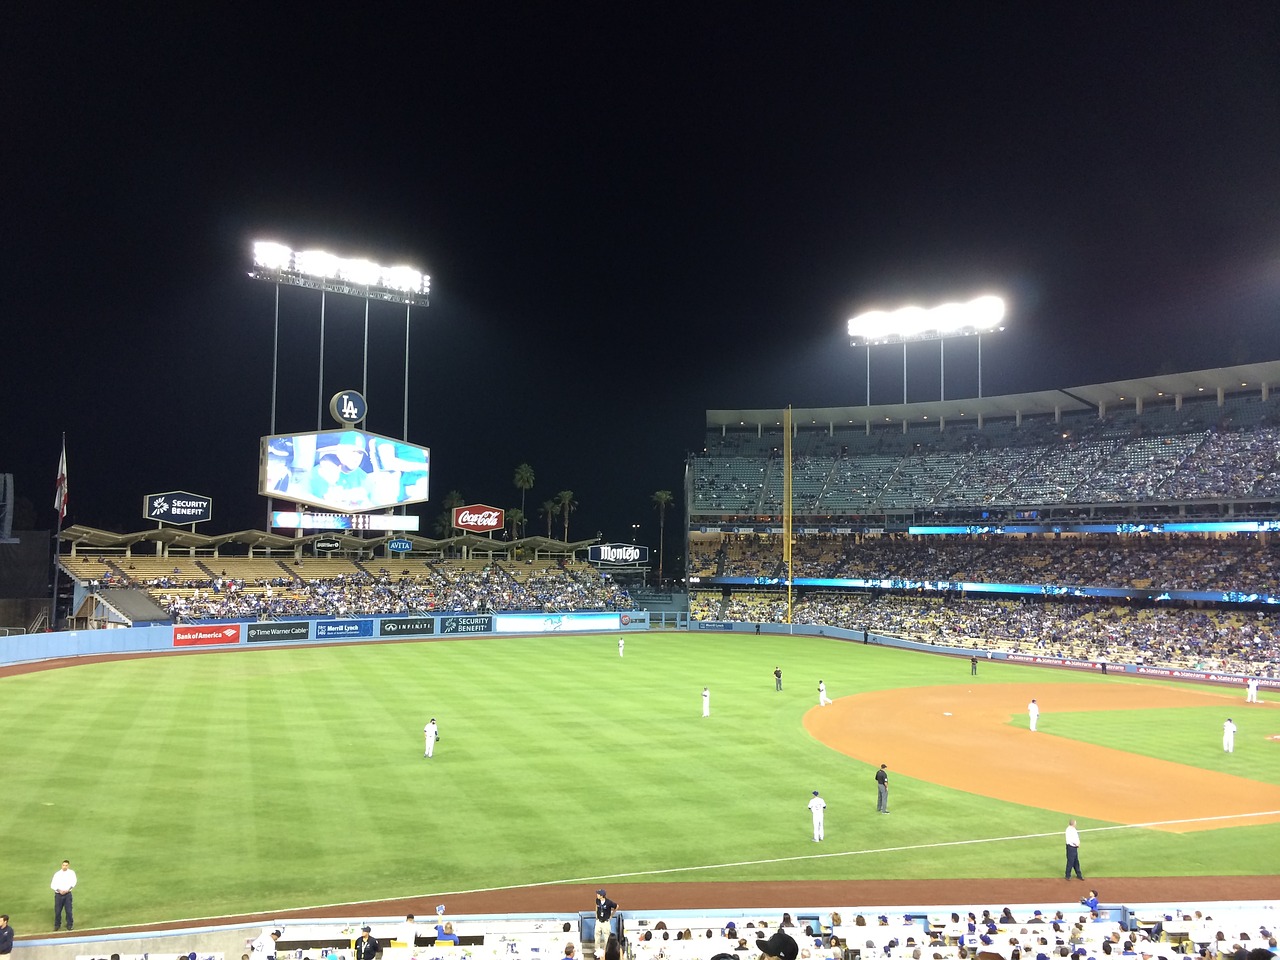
(344, 470)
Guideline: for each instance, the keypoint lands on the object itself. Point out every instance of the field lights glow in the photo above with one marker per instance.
(981, 315)
(324, 270)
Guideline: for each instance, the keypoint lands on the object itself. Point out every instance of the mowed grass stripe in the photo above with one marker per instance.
(267, 778)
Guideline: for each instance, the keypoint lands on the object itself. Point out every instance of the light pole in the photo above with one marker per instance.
(319, 270)
(323, 271)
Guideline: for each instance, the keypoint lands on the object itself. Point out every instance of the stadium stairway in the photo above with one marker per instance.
(134, 605)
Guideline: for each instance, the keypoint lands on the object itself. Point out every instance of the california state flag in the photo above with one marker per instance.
(60, 492)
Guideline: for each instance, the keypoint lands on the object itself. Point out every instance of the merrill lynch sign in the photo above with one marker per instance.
(617, 553)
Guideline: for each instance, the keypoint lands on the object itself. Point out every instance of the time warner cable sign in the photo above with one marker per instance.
(617, 553)
(177, 506)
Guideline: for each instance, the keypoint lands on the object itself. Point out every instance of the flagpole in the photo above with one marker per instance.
(60, 502)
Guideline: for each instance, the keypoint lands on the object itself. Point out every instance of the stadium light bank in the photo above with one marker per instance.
(912, 324)
(320, 270)
(353, 277)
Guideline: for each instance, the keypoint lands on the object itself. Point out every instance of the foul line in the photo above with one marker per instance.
(597, 878)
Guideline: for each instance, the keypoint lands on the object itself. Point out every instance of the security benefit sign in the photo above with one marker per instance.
(466, 624)
(618, 553)
(177, 506)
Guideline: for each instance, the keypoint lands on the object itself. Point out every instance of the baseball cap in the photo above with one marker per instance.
(779, 945)
(366, 930)
(275, 933)
(815, 793)
(600, 892)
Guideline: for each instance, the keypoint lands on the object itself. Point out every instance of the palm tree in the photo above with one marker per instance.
(661, 500)
(515, 517)
(566, 503)
(444, 522)
(524, 482)
(549, 509)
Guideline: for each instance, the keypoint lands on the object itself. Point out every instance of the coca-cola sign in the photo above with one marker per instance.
(479, 518)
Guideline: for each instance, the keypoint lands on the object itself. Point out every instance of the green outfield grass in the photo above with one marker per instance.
(265, 779)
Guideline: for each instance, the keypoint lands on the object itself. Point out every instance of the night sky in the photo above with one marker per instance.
(631, 213)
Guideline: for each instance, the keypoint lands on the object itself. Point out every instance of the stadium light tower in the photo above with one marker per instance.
(323, 271)
(910, 324)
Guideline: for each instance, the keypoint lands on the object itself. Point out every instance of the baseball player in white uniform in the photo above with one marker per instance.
(1251, 691)
(817, 806)
(432, 734)
(621, 643)
(823, 699)
(706, 701)
(1033, 714)
(1229, 736)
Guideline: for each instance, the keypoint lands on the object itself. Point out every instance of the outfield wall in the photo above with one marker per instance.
(1036, 659)
(29, 647)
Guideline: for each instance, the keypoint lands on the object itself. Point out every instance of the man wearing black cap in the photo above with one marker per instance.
(365, 946)
(604, 912)
(779, 947)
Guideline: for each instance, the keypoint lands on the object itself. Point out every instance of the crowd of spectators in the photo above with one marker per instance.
(488, 589)
(1088, 462)
(1246, 642)
(1222, 932)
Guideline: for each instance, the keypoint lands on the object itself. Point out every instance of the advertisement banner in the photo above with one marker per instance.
(556, 622)
(617, 553)
(207, 636)
(177, 506)
(479, 518)
(262, 632)
(713, 625)
(407, 627)
(466, 624)
(1053, 661)
(337, 629)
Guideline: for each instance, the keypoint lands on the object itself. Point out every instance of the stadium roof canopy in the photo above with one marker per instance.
(1245, 378)
(80, 537)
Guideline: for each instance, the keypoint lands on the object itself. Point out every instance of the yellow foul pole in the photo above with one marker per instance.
(786, 503)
